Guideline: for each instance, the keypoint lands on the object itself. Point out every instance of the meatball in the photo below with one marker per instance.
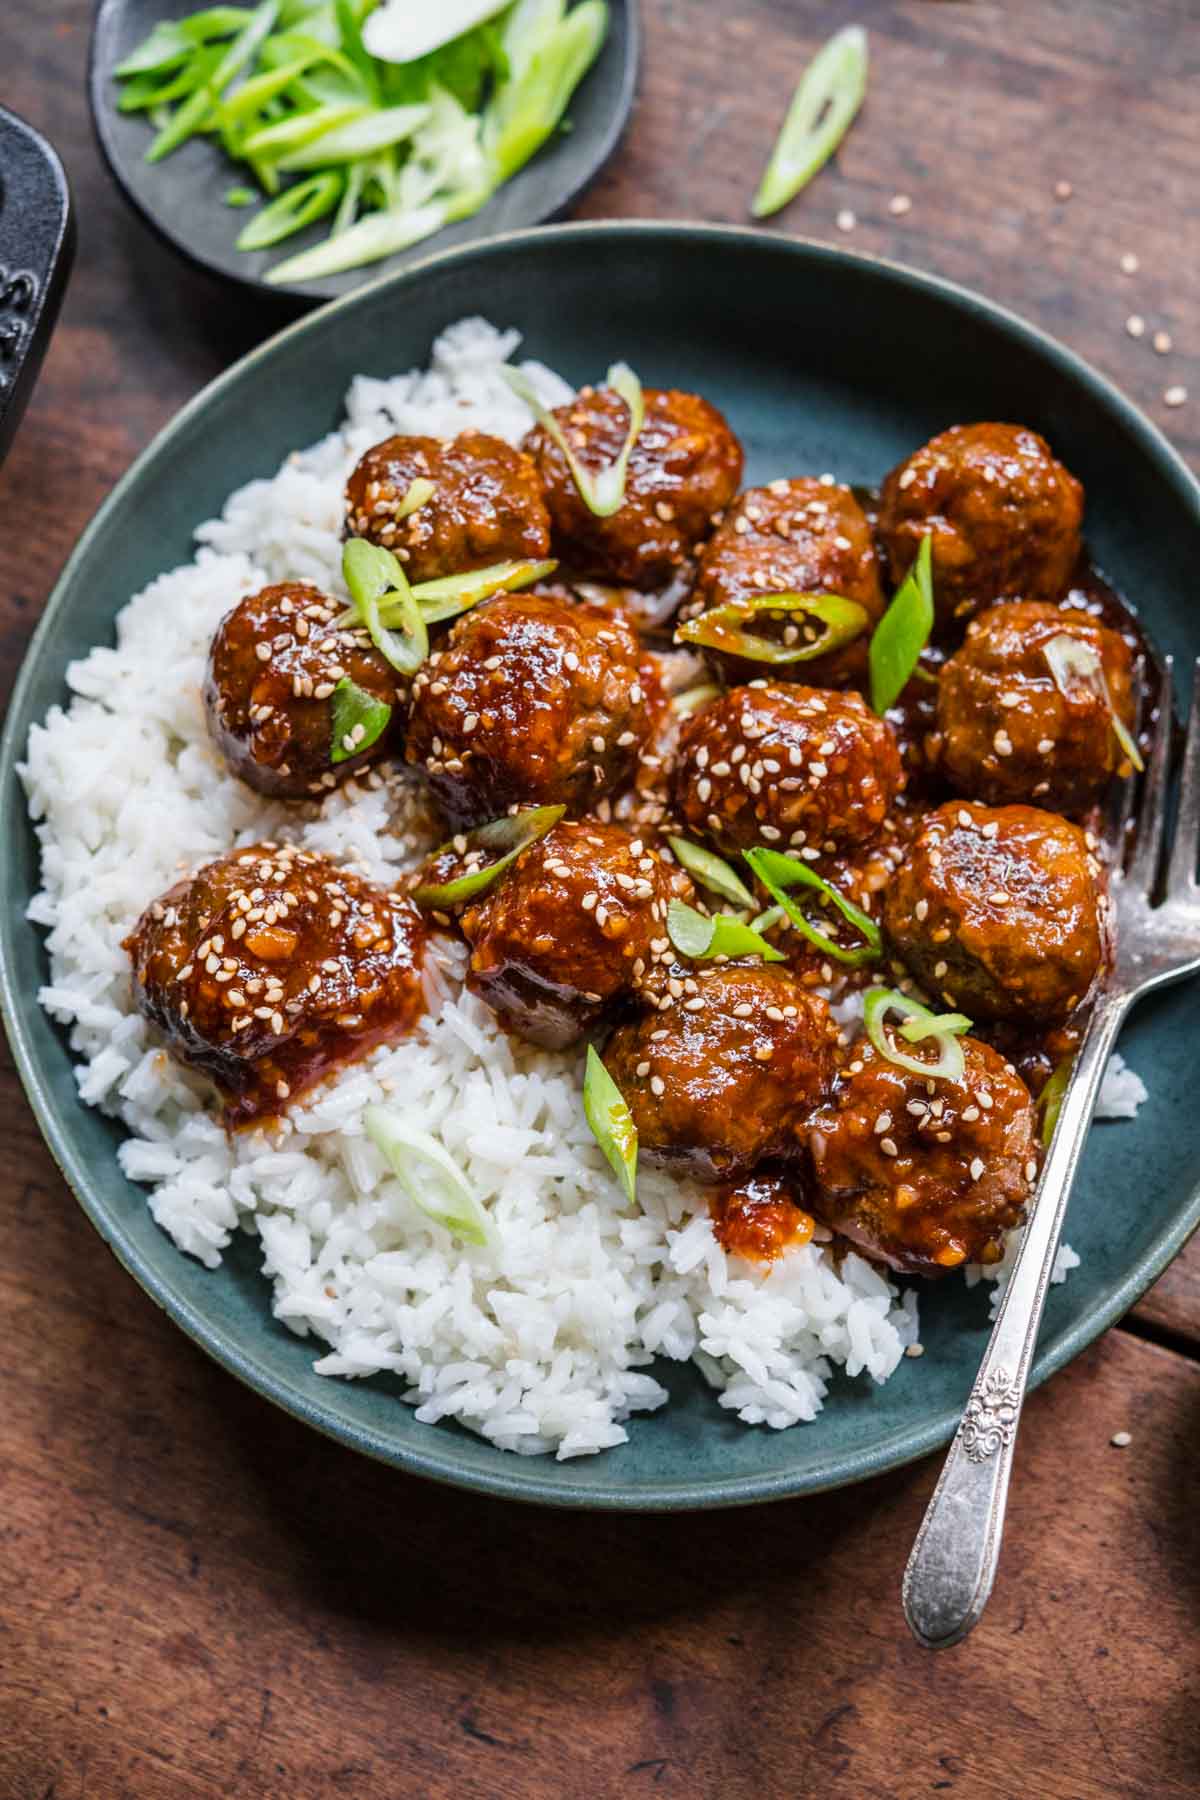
(684, 467)
(787, 765)
(1005, 729)
(269, 687)
(759, 1218)
(270, 967)
(728, 1073)
(535, 699)
(792, 537)
(997, 911)
(925, 1181)
(486, 506)
(578, 922)
(1003, 513)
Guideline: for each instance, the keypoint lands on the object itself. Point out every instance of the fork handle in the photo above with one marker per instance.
(953, 1563)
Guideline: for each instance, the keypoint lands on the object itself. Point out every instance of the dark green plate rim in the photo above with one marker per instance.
(438, 1460)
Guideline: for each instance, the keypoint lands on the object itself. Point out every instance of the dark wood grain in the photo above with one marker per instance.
(199, 1598)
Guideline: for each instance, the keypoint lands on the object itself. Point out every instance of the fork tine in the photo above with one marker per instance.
(1147, 845)
(1181, 870)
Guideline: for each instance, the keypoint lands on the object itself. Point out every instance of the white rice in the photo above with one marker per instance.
(542, 1342)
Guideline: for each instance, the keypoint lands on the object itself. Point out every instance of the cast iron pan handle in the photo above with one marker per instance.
(37, 243)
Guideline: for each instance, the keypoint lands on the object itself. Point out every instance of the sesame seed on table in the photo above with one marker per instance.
(201, 1598)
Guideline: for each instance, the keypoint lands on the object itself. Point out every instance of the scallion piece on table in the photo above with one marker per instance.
(778, 873)
(602, 492)
(831, 91)
(374, 577)
(611, 1122)
(296, 207)
(504, 839)
(903, 632)
(1070, 659)
(712, 872)
(725, 627)
(944, 1030)
(357, 720)
(429, 1175)
(701, 937)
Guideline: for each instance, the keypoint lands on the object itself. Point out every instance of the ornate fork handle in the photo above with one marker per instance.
(953, 1562)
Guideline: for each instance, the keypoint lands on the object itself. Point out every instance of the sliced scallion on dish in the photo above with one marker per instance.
(778, 873)
(1052, 1096)
(373, 577)
(725, 627)
(830, 92)
(1071, 660)
(450, 595)
(692, 699)
(357, 720)
(700, 937)
(711, 871)
(429, 1175)
(602, 492)
(903, 632)
(503, 840)
(611, 1122)
(944, 1030)
(291, 211)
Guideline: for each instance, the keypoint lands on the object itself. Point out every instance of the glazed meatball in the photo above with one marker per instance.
(684, 467)
(787, 765)
(486, 506)
(271, 967)
(578, 922)
(1005, 730)
(535, 699)
(1003, 513)
(997, 911)
(759, 1218)
(920, 1180)
(269, 688)
(792, 537)
(727, 1074)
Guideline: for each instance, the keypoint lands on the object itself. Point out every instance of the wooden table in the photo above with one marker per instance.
(200, 1598)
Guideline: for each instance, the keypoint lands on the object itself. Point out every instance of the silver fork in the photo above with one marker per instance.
(953, 1563)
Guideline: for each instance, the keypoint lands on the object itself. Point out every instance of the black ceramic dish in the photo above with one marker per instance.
(37, 243)
(182, 197)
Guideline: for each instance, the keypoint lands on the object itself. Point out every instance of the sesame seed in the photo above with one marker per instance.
(263, 652)
(1129, 263)
(899, 205)
(642, 1070)
(921, 910)
(1135, 325)
(907, 478)
(846, 220)
(914, 1350)
(1031, 1169)
(588, 902)
(1120, 1440)
(883, 1123)
(1162, 342)
(658, 1086)
(888, 1146)
(977, 1167)
(1063, 190)
(1175, 396)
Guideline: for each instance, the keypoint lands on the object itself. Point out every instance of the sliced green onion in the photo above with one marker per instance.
(1070, 657)
(903, 631)
(358, 137)
(927, 1024)
(831, 91)
(149, 92)
(711, 871)
(418, 494)
(1052, 1096)
(358, 720)
(552, 60)
(724, 627)
(604, 492)
(189, 117)
(375, 236)
(699, 937)
(778, 873)
(373, 575)
(240, 196)
(429, 1175)
(295, 208)
(173, 40)
(512, 834)
(693, 698)
(399, 31)
(611, 1122)
(945, 1032)
(450, 595)
(272, 142)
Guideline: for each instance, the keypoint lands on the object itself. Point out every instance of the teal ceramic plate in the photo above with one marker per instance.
(822, 360)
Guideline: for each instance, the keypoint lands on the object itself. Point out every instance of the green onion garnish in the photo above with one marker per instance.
(944, 1029)
(291, 211)
(374, 577)
(240, 196)
(692, 699)
(509, 836)
(429, 1175)
(1052, 1096)
(903, 632)
(699, 937)
(831, 91)
(611, 1122)
(547, 55)
(778, 873)
(1069, 657)
(454, 594)
(724, 627)
(604, 492)
(358, 720)
(419, 493)
(711, 871)
(190, 117)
